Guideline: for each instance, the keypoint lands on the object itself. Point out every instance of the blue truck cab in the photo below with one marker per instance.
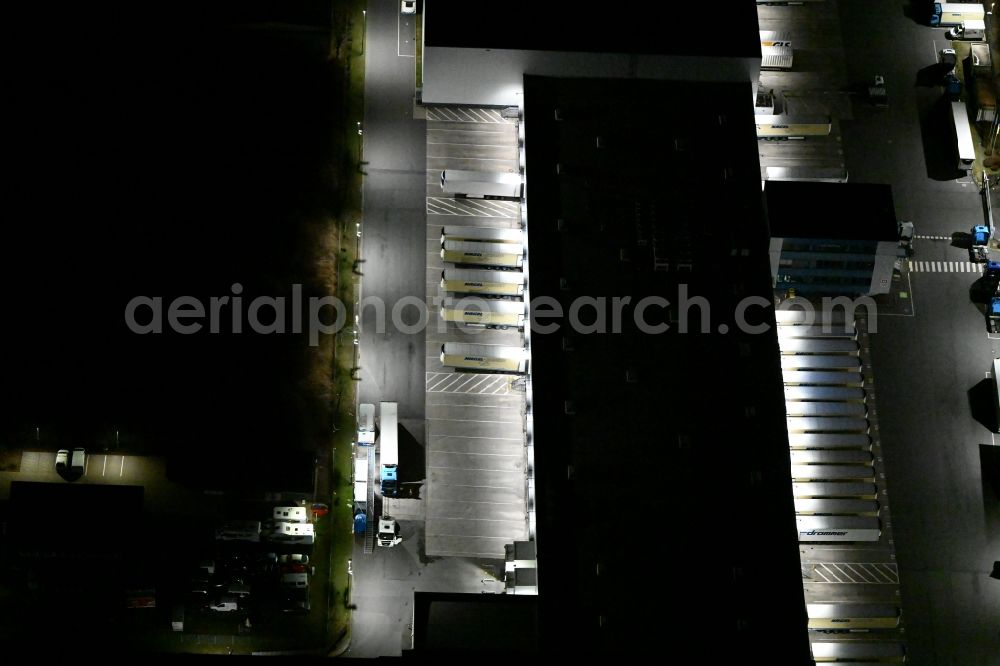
(390, 487)
(935, 19)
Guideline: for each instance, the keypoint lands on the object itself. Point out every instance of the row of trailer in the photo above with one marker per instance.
(833, 475)
(833, 469)
(484, 247)
(485, 288)
(487, 295)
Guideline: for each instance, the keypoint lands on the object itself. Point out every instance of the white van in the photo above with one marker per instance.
(78, 461)
(225, 605)
(62, 459)
(297, 580)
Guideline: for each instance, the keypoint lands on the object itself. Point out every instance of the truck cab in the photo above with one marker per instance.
(388, 532)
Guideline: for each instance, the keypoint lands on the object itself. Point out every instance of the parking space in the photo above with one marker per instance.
(467, 114)
(475, 492)
(453, 382)
(472, 208)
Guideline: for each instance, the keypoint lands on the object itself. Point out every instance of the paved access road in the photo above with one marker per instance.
(946, 529)
(392, 362)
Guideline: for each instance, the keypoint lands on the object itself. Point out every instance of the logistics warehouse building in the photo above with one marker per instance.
(662, 460)
(665, 520)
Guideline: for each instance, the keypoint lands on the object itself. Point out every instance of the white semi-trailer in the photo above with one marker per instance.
(481, 184)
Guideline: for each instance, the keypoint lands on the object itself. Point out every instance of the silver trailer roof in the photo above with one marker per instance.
(822, 489)
(824, 393)
(831, 378)
(816, 408)
(829, 440)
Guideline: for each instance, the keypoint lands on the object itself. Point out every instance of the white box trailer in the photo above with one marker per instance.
(954, 13)
(786, 315)
(484, 358)
(366, 424)
(826, 424)
(811, 506)
(500, 255)
(775, 38)
(820, 362)
(867, 652)
(482, 281)
(776, 57)
(818, 346)
(361, 481)
(835, 489)
(807, 173)
(488, 234)
(818, 331)
(797, 408)
(829, 440)
(831, 457)
(822, 378)
(852, 616)
(963, 136)
(842, 393)
(473, 311)
(781, 127)
(838, 528)
(481, 184)
(864, 473)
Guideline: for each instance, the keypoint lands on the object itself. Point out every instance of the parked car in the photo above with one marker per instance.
(320, 509)
(294, 567)
(78, 460)
(224, 605)
(948, 58)
(62, 459)
(877, 93)
(294, 557)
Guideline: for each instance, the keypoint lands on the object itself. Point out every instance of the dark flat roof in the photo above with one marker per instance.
(74, 520)
(621, 27)
(448, 623)
(846, 211)
(661, 460)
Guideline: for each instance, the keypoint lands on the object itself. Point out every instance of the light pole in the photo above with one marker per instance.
(364, 29)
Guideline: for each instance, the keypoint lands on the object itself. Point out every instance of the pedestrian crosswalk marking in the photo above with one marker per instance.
(947, 238)
(945, 267)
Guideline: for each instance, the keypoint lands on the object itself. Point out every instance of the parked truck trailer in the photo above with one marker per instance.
(481, 184)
